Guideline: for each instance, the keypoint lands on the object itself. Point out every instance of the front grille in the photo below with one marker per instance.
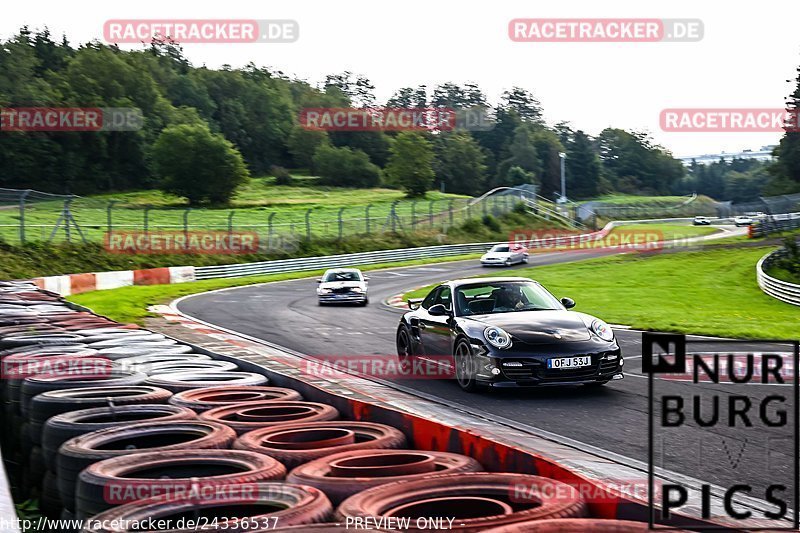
(341, 290)
(531, 370)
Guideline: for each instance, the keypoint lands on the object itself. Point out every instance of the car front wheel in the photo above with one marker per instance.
(465, 367)
(405, 349)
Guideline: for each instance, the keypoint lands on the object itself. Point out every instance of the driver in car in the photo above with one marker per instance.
(508, 299)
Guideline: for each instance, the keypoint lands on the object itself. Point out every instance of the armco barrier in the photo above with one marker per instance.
(782, 290)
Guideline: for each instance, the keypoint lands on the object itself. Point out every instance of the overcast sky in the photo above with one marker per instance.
(749, 51)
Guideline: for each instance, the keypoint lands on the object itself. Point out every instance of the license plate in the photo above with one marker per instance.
(570, 362)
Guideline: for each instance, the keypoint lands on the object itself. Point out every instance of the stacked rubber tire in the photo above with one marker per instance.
(155, 431)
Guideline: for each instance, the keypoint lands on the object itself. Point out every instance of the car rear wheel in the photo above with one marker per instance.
(465, 367)
(405, 348)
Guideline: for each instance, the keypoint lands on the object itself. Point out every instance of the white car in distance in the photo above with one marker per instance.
(505, 255)
(343, 285)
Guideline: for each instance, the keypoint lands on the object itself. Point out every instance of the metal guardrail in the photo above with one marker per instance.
(782, 290)
(343, 260)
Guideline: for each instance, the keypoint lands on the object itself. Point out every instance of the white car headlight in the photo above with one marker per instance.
(497, 337)
(357, 289)
(602, 330)
(323, 291)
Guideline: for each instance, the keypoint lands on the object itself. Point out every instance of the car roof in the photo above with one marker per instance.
(472, 281)
(342, 270)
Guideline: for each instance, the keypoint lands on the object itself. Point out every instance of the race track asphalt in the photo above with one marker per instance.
(612, 418)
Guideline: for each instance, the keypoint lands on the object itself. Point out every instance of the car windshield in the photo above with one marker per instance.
(347, 275)
(504, 297)
(499, 248)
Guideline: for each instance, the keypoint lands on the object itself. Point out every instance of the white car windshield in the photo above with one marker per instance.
(499, 248)
(342, 276)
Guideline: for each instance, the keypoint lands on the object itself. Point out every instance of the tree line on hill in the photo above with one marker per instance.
(206, 131)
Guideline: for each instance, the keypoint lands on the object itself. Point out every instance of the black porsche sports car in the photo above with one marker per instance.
(508, 332)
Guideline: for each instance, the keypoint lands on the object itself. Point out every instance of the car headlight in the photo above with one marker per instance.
(357, 289)
(497, 337)
(602, 330)
(323, 291)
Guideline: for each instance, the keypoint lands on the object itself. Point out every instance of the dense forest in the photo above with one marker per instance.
(206, 130)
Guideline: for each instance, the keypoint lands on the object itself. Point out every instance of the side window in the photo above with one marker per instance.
(443, 297)
(428, 301)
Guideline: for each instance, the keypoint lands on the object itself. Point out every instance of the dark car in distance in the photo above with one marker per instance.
(508, 332)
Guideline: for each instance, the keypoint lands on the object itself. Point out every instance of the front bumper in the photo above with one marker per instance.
(343, 297)
(530, 370)
(493, 262)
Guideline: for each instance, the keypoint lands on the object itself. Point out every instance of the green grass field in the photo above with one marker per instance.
(253, 204)
(711, 292)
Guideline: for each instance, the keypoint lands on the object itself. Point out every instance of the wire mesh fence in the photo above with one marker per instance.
(694, 207)
(33, 216)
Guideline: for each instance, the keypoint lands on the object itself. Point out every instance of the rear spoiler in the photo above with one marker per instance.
(413, 303)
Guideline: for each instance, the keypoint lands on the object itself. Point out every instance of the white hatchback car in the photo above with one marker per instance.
(505, 255)
(343, 285)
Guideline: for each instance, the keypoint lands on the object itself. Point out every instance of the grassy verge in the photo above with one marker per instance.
(129, 304)
(711, 292)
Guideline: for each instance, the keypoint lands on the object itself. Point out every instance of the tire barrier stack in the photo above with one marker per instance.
(113, 424)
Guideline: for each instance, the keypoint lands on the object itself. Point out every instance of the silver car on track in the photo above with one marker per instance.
(343, 285)
(505, 255)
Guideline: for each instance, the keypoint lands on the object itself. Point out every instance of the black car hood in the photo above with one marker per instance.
(538, 327)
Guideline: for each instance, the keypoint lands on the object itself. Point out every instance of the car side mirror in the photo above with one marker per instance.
(319, 280)
(438, 310)
(366, 278)
(569, 303)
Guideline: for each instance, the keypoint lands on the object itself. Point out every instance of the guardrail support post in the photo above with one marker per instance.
(230, 224)
(339, 217)
(393, 215)
(450, 209)
(109, 225)
(186, 222)
(147, 209)
(22, 198)
(269, 230)
(308, 224)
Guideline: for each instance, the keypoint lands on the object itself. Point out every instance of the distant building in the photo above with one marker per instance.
(762, 154)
